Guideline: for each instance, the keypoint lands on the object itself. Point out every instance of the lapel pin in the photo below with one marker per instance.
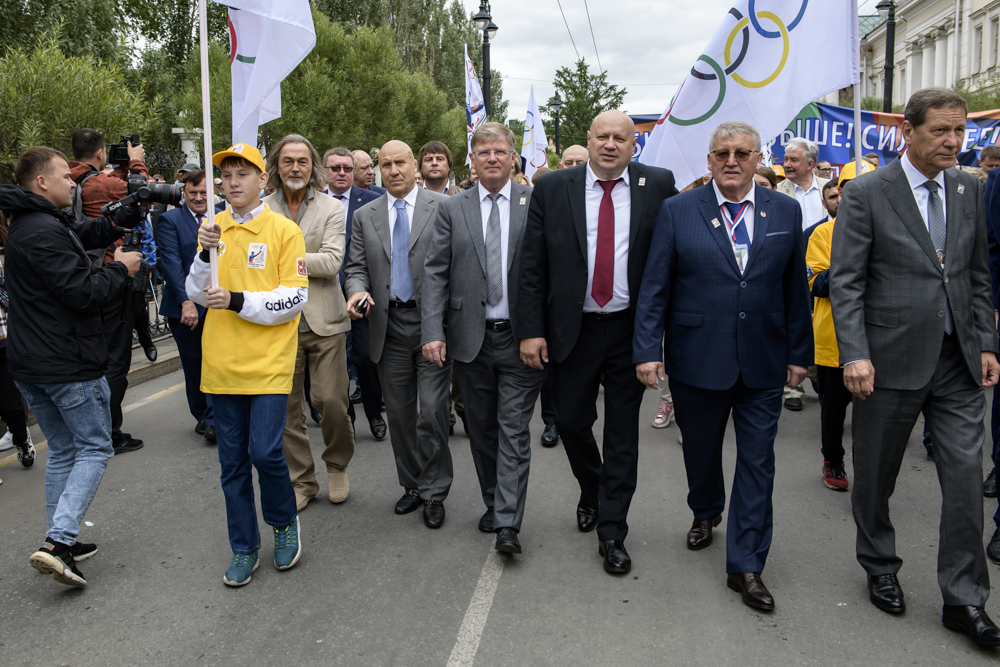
(763, 214)
(715, 222)
(961, 189)
(523, 200)
(642, 181)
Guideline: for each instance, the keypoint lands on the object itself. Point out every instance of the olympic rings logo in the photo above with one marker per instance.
(732, 64)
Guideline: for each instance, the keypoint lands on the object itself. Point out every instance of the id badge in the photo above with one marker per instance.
(741, 250)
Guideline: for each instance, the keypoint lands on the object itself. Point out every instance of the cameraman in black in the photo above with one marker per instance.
(56, 349)
(98, 189)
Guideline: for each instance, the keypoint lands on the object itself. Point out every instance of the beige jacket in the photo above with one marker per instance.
(323, 226)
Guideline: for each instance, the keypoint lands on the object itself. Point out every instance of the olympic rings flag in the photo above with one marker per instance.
(475, 104)
(534, 144)
(767, 60)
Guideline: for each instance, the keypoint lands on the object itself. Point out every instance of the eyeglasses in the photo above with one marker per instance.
(740, 155)
(337, 169)
(486, 155)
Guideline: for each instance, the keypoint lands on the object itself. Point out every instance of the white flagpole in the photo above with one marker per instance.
(206, 123)
(858, 148)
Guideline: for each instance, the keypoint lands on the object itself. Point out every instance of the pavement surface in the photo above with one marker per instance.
(373, 588)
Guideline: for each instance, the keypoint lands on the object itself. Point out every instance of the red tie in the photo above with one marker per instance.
(604, 259)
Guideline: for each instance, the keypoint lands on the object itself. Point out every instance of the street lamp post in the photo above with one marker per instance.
(887, 10)
(556, 105)
(484, 22)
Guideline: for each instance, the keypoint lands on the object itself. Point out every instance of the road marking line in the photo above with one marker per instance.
(471, 632)
(43, 445)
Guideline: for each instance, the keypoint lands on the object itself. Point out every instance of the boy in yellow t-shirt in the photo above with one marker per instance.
(249, 345)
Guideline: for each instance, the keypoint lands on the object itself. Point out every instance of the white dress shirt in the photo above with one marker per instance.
(344, 198)
(748, 215)
(249, 216)
(411, 204)
(811, 203)
(501, 311)
(621, 197)
(920, 193)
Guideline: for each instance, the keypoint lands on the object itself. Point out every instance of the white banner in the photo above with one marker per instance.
(534, 143)
(768, 59)
(475, 104)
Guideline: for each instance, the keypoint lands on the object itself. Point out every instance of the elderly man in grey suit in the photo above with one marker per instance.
(389, 240)
(295, 171)
(910, 291)
(469, 280)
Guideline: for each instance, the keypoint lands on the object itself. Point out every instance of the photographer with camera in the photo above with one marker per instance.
(57, 354)
(97, 190)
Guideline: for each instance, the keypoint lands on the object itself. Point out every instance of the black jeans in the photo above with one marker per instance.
(12, 409)
(833, 411)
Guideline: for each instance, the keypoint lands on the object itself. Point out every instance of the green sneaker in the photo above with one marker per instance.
(240, 569)
(287, 547)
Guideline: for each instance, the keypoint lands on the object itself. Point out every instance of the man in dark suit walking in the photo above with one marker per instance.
(471, 262)
(339, 164)
(385, 278)
(177, 238)
(725, 296)
(910, 292)
(583, 256)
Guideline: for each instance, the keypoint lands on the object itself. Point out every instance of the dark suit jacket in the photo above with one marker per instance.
(553, 279)
(454, 293)
(359, 198)
(887, 288)
(177, 241)
(718, 323)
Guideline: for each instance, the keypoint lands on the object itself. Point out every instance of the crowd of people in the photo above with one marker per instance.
(598, 278)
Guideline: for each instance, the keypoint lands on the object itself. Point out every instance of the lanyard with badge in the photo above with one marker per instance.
(741, 250)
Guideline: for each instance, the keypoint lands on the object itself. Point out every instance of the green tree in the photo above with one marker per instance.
(86, 27)
(584, 96)
(875, 104)
(48, 95)
(984, 98)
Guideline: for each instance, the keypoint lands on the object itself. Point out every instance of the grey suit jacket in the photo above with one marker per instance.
(454, 305)
(369, 268)
(887, 288)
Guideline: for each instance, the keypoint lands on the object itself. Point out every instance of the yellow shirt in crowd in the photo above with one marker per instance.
(817, 261)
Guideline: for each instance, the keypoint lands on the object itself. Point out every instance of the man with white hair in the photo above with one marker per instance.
(801, 182)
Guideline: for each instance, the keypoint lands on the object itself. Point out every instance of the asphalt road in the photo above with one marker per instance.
(373, 588)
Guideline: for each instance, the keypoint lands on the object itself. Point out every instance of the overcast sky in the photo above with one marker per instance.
(646, 46)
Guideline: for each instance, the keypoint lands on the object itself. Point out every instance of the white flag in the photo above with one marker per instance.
(475, 104)
(267, 39)
(534, 144)
(761, 67)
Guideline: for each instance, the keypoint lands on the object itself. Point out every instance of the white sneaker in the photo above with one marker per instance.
(7, 442)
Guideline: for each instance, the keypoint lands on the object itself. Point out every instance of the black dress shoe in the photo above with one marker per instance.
(993, 548)
(507, 541)
(616, 559)
(990, 484)
(128, 444)
(700, 535)
(199, 428)
(316, 416)
(378, 428)
(586, 514)
(433, 513)
(550, 436)
(793, 404)
(752, 589)
(409, 502)
(974, 622)
(356, 396)
(210, 433)
(150, 352)
(486, 521)
(886, 594)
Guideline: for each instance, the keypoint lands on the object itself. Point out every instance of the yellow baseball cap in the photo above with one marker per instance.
(849, 171)
(245, 151)
(778, 170)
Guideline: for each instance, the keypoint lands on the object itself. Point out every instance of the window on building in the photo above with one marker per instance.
(994, 37)
(977, 49)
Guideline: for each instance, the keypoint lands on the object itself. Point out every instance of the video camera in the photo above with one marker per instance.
(118, 153)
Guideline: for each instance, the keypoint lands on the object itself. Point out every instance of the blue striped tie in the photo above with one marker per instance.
(494, 255)
(402, 282)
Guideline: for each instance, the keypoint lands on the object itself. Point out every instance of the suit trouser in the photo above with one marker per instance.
(548, 412)
(833, 412)
(189, 349)
(326, 357)
(954, 406)
(419, 439)
(454, 399)
(368, 379)
(702, 415)
(500, 393)
(118, 335)
(603, 347)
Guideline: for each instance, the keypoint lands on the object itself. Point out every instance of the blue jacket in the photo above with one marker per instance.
(359, 197)
(990, 191)
(712, 323)
(177, 237)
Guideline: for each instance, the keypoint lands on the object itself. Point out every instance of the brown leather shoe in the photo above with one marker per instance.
(339, 487)
(700, 535)
(753, 590)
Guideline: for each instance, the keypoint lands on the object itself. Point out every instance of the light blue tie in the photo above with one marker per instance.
(494, 255)
(402, 283)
